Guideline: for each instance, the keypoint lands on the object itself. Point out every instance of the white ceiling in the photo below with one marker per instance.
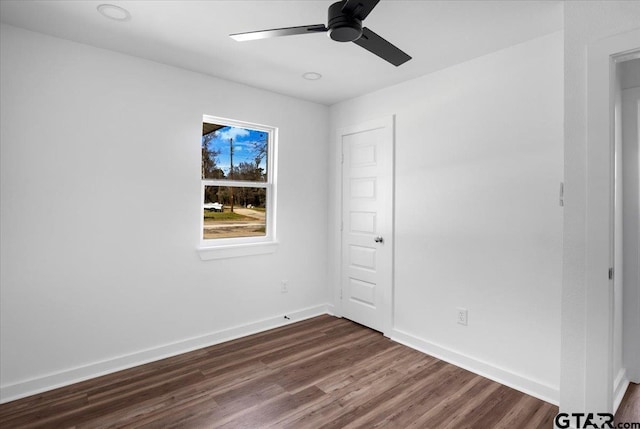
(194, 35)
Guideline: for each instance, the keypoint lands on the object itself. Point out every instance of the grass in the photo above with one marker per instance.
(223, 233)
(224, 216)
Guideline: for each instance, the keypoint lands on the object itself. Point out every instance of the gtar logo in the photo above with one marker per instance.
(584, 420)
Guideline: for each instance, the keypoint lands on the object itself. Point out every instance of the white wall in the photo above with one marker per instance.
(100, 213)
(477, 219)
(584, 23)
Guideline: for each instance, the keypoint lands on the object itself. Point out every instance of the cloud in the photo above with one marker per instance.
(232, 133)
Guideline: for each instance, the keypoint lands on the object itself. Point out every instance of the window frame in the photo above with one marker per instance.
(240, 246)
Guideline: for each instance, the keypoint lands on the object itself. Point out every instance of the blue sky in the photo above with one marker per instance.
(243, 146)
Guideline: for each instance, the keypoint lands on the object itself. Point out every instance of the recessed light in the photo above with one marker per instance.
(312, 76)
(114, 12)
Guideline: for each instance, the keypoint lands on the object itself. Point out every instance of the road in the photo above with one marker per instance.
(233, 225)
(250, 213)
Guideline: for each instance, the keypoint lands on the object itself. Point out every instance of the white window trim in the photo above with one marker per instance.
(236, 250)
(222, 248)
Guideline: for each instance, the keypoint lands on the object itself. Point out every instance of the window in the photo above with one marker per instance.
(238, 195)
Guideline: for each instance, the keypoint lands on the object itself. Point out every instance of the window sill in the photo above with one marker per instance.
(236, 250)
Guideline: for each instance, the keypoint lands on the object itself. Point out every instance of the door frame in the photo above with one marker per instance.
(601, 61)
(387, 122)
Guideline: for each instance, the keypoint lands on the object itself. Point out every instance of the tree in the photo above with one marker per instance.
(249, 172)
(260, 148)
(210, 169)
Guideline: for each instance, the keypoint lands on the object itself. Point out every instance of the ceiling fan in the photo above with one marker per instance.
(345, 25)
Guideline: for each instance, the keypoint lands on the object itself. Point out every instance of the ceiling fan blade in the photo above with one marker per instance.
(379, 46)
(359, 8)
(278, 32)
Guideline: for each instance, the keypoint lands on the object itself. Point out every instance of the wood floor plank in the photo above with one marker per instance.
(139, 414)
(315, 371)
(322, 372)
(494, 408)
(411, 407)
(453, 404)
(543, 418)
(629, 409)
(392, 357)
(520, 415)
(338, 403)
(312, 348)
(265, 416)
(384, 402)
(370, 378)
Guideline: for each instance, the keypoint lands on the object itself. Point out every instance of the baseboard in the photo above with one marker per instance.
(331, 310)
(620, 385)
(519, 382)
(63, 378)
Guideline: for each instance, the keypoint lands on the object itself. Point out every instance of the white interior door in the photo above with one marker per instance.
(367, 223)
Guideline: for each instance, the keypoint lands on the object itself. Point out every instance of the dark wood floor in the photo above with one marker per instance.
(629, 410)
(323, 372)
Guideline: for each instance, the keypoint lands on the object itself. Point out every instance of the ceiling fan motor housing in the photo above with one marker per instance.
(343, 27)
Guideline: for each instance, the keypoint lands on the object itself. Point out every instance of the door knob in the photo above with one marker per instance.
(378, 239)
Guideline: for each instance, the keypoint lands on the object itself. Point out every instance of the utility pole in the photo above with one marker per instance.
(231, 171)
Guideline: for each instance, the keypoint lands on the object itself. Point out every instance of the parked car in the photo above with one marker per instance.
(214, 207)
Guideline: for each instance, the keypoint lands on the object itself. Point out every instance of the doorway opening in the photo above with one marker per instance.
(626, 218)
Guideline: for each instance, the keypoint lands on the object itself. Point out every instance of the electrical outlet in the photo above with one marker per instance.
(284, 286)
(462, 316)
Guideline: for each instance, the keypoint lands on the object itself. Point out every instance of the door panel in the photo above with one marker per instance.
(367, 212)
